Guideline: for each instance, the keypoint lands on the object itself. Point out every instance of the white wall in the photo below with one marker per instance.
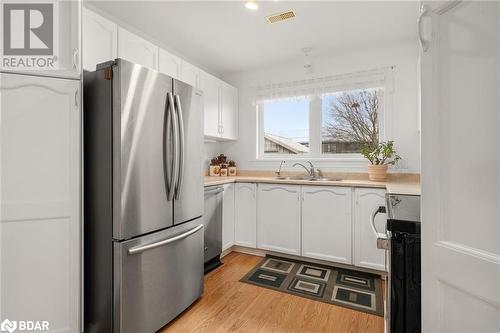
(405, 131)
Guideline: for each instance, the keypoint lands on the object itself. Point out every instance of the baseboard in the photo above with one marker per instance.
(263, 253)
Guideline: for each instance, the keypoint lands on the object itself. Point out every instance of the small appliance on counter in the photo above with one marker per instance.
(402, 241)
(212, 220)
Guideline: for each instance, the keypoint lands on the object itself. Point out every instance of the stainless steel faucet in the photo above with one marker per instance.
(311, 171)
(278, 173)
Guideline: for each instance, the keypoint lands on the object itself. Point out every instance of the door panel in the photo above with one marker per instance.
(245, 211)
(460, 215)
(40, 224)
(189, 198)
(154, 285)
(139, 163)
(228, 217)
(137, 50)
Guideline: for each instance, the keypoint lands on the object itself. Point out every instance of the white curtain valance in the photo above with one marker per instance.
(313, 87)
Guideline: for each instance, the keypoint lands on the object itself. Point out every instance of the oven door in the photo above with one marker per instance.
(156, 277)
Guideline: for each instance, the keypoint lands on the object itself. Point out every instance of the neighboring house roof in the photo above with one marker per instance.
(291, 145)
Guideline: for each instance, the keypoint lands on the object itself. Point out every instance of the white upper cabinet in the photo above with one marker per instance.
(190, 74)
(228, 217)
(245, 215)
(278, 218)
(136, 49)
(100, 40)
(326, 223)
(40, 223)
(169, 64)
(211, 93)
(65, 58)
(229, 112)
(366, 253)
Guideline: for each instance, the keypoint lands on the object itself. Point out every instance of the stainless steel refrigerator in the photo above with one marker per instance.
(143, 198)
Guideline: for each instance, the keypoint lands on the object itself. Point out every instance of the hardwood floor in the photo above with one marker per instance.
(228, 305)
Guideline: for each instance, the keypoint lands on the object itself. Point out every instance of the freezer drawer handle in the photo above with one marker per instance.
(143, 248)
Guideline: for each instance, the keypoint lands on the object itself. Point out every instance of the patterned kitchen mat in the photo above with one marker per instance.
(355, 290)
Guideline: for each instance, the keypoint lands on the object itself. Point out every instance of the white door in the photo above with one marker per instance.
(211, 87)
(100, 40)
(169, 64)
(137, 50)
(40, 230)
(245, 209)
(461, 169)
(326, 223)
(229, 112)
(278, 218)
(228, 217)
(366, 253)
(65, 58)
(190, 74)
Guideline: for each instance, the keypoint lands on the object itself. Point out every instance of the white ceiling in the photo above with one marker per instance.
(225, 37)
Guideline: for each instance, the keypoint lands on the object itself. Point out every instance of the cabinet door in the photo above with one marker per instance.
(366, 253)
(278, 218)
(326, 223)
(245, 215)
(229, 112)
(63, 59)
(100, 40)
(40, 225)
(137, 50)
(190, 74)
(211, 96)
(228, 217)
(169, 64)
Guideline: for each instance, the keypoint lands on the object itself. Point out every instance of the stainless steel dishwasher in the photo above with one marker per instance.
(212, 220)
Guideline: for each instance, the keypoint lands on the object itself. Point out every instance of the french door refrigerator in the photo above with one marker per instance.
(143, 141)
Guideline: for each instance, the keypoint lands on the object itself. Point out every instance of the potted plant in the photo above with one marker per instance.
(380, 157)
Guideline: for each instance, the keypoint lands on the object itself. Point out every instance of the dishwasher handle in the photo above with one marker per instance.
(216, 190)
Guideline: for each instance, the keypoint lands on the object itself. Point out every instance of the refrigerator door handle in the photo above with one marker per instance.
(167, 132)
(180, 119)
(175, 137)
(142, 248)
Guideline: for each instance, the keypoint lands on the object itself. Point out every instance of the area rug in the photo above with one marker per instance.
(355, 290)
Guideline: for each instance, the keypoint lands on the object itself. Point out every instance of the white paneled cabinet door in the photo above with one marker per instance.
(137, 50)
(461, 214)
(366, 253)
(228, 217)
(326, 223)
(40, 231)
(211, 96)
(100, 40)
(190, 74)
(278, 218)
(245, 215)
(169, 64)
(229, 112)
(65, 60)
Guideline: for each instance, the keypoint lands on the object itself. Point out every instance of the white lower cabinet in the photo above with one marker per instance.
(366, 253)
(278, 218)
(326, 223)
(228, 217)
(245, 222)
(40, 230)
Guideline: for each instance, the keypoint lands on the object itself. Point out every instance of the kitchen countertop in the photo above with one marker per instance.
(396, 183)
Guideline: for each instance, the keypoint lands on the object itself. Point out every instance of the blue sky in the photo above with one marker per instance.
(290, 118)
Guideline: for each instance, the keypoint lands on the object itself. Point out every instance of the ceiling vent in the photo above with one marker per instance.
(289, 14)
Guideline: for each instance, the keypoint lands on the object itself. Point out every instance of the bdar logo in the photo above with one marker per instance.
(28, 29)
(8, 326)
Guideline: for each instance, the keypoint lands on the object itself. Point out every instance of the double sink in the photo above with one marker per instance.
(308, 178)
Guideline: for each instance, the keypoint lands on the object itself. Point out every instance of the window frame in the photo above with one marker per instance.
(315, 126)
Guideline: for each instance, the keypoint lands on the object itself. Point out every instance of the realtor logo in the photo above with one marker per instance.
(28, 29)
(8, 326)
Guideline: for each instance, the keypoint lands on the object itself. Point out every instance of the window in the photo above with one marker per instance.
(350, 121)
(333, 124)
(286, 126)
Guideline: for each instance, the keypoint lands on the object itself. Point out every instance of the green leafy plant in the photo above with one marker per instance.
(381, 154)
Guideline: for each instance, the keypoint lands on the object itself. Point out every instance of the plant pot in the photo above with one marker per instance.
(377, 173)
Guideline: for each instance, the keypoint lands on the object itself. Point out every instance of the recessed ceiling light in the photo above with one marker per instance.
(251, 4)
